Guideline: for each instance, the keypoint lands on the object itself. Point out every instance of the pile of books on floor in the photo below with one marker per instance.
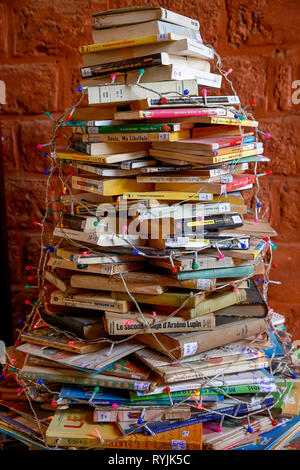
(154, 332)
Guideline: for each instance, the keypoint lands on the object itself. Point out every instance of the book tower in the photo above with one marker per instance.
(151, 327)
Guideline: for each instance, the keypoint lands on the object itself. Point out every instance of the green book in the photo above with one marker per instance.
(218, 301)
(130, 128)
(68, 376)
(236, 271)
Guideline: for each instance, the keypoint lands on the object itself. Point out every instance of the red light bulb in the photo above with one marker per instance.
(174, 270)
(164, 100)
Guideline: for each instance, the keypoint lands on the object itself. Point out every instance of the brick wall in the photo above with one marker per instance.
(40, 64)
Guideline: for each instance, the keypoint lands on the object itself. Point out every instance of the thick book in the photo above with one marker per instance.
(106, 268)
(95, 282)
(109, 187)
(87, 327)
(204, 159)
(140, 30)
(90, 300)
(92, 362)
(134, 15)
(103, 159)
(153, 60)
(233, 198)
(141, 137)
(47, 336)
(133, 92)
(105, 414)
(132, 323)
(76, 377)
(194, 147)
(227, 331)
(105, 148)
(254, 305)
(161, 73)
(239, 181)
(186, 48)
(171, 298)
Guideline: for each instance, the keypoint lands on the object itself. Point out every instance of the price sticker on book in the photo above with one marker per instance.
(178, 445)
(189, 349)
(205, 197)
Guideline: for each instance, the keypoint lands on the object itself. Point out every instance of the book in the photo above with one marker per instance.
(132, 323)
(90, 300)
(107, 172)
(131, 128)
(96, 282)
(136, 15)
(204, 159)
(96, 148)
(253, 306)
(106, 268)
(140, 30)
(76, 377)
(171, 113)
(69, 155)
(172, 298)
(46, 336)
(181, 345)
(86, 328)
(104, 414)
(109, 187)
(143, 137)
(125, 93)
(232, 197)
(93, 361)
(153, 60)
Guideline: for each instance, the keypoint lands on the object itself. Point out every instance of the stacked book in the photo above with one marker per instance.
(154, 332)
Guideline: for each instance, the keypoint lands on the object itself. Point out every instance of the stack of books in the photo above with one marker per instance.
(154, 330)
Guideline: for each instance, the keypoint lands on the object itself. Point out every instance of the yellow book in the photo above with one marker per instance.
(140, 137)
(182, 196)
(132, 42)
(74, 427)
(229, 122)
(103, 158)
(173, 299)
(204, 159)
(109, 187)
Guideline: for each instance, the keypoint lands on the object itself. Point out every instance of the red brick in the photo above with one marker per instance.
(249, 77)
(31, 88)
(51, 28)
(9, 147)
(283, 145)
(3, 29)
(31, 133)
(15, 249)
(261, 22)
(25, 203)
(282, 195)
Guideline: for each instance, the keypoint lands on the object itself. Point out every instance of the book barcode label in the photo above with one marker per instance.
(189, 349)
(178, 445)
(86, 72)
(92, 130)
(236, 219)
(181, 240)
(203, 284)
(205, 197)
(142, 386)
(226, 179)
(185, 433)
(103, 417)
(162, 37)
(163, 136)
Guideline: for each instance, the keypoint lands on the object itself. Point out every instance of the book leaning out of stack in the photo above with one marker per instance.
(152, 329)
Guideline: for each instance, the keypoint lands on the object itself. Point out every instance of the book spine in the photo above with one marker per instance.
(152, 39)
(181, 112)
(236, 271)
(233, 142)
(239, 182)
(120, 93)
(121, 325)
(133, 128)
(121, 66)
(145, 137)
(176, 18)
(233, 122)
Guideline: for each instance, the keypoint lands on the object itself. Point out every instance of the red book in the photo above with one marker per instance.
(221, 142)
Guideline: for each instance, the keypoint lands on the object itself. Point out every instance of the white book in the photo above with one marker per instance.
(133, 92)
(176, 72)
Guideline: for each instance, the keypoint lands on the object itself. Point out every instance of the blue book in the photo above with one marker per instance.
(268, 440)
(228, 406)
(236, 271)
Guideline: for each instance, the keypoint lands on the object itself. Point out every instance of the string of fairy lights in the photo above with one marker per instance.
(49, 243)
